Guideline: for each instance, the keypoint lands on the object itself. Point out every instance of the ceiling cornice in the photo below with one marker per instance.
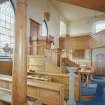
(98, 5)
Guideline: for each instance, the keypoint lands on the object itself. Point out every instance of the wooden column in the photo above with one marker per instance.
(19, 70)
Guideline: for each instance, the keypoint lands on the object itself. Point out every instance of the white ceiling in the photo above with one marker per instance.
(72, 12)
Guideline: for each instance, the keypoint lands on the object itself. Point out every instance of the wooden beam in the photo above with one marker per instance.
(98, 5)
(19, 95)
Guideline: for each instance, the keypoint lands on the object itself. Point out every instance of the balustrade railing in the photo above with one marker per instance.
(55, 55)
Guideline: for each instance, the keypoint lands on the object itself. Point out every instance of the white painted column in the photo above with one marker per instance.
(72, 76)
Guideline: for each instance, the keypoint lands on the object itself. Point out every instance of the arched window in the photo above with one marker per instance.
(44, 28)
(100, 25)
(62, 28)
(7, 29)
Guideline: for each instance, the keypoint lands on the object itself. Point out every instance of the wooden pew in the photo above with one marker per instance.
(5, 98)
(49, 93)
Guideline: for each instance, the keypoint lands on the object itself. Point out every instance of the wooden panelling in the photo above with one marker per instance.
(98, 60)
(77, 88)
(38, 60)
(34, 31)
(49, 62)
(100, 64)
(49, 97)
(65, 80)
(36, 63)
(50, 93)
(79, 54)
(5, 98)
(33, 91)
(83, 42)
(91, 4)
(97, 40)
(80, 42)
(6, 67)
(38, 46)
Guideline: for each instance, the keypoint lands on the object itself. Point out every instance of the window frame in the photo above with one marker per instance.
(95, 25)
(46, 25)
(2, 57)
(63, 26)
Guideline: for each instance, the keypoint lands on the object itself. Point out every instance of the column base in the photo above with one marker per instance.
(71, 102)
